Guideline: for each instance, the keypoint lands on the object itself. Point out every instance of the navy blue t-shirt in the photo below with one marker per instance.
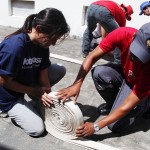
(22, 60)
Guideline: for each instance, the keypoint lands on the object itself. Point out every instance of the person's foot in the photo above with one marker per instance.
(3, 115)
(104, 109)
(85, 55)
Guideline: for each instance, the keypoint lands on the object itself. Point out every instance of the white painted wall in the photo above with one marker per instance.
(72, 10)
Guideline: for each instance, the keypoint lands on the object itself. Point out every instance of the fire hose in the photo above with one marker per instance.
(61, 121)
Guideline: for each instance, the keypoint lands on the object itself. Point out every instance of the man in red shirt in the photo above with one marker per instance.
(125, 86)
(110, 16)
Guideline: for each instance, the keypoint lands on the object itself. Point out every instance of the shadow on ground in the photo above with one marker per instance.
(3, 147)
(92, 114)
(136, 127)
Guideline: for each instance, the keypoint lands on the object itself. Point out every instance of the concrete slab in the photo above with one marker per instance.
(13, 138)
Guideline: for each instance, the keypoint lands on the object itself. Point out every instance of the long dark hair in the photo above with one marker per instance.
(49, 21)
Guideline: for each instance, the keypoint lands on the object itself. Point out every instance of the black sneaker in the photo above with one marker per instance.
(146, 115)
(104, 109)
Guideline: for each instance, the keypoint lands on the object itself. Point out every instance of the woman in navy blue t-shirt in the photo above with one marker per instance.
(25, 67)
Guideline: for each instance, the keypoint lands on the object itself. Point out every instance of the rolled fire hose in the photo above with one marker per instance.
(61, 121)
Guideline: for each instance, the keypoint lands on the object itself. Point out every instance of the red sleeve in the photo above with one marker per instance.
(109, 43)
(142, 86)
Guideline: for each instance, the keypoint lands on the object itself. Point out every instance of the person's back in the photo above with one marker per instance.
(110, 16)
(115, 9)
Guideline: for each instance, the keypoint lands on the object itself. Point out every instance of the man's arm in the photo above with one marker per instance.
(87, 64)
(103, 32)
(129, 103)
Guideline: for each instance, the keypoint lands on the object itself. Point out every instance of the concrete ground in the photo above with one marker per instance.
(14, 138)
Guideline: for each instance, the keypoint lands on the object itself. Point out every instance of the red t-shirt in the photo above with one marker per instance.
(115, 10)
(136, 73)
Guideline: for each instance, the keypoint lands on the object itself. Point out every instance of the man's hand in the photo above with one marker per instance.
(46, 99)
(42, 94)
(68, 92)
(85, 129)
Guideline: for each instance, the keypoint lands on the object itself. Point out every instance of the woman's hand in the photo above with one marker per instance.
(65, 94)
(42, 94)
(85, 129)
(46, 99)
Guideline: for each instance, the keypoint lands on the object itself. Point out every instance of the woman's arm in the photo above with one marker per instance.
(45, 84)
(39, 92)
(44, 79)
(9, 83)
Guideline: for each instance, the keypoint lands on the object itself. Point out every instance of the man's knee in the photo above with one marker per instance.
(114, 128)
(110, 127)
(121, 125)
(62, 70)
(102, 78)
(99, 72)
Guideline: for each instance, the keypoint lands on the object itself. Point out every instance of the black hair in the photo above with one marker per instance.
(49, 21)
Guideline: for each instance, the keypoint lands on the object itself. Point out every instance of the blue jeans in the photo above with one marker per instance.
(98, 14)
(111, 85)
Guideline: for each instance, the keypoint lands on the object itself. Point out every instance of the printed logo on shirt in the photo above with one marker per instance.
(31, 62)
(131, 74)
